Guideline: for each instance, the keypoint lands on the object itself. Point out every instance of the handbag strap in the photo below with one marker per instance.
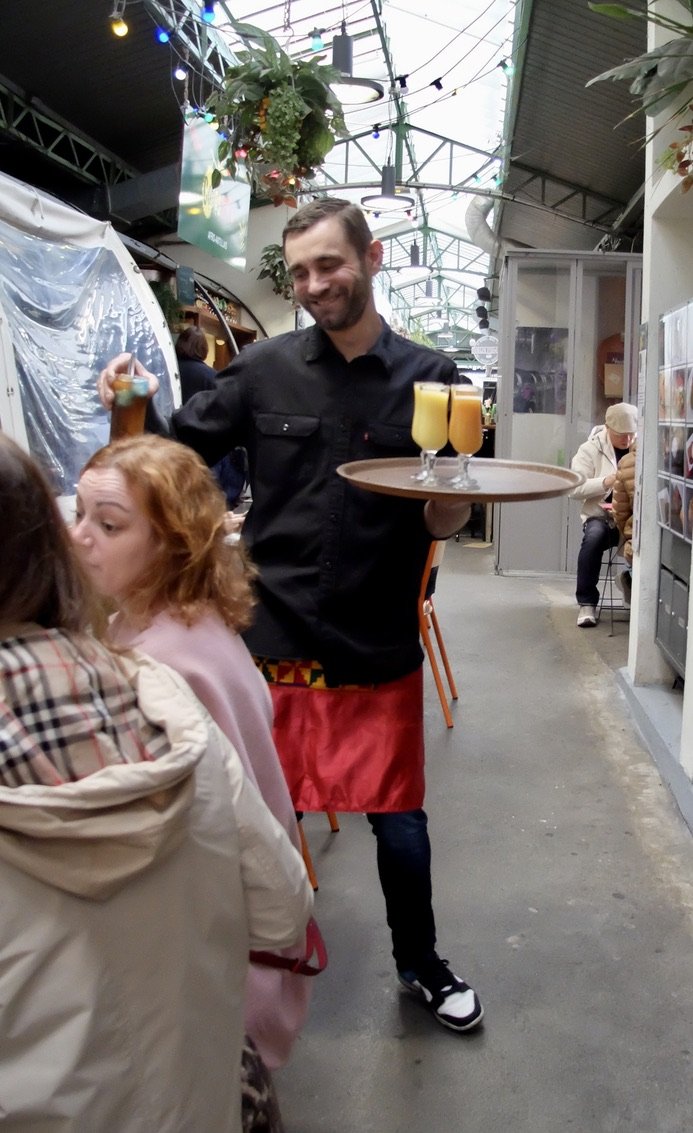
(299, 965)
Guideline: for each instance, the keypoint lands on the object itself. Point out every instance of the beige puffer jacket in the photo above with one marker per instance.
(130, 897)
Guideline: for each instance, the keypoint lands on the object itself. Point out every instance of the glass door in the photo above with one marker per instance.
(567, 322)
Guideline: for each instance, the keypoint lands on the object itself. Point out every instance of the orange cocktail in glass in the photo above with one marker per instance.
(464, 432)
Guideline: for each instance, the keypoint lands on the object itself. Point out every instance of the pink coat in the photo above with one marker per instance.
(217, 665)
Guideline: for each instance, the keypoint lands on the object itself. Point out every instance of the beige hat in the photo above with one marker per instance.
(622, 418)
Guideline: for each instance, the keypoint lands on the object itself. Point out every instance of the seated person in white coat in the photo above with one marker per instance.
(597, 459)
(138, 863)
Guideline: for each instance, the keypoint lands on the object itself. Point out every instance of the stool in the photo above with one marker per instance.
(611, 567)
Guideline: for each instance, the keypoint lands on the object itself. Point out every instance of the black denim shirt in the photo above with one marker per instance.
(339, 567)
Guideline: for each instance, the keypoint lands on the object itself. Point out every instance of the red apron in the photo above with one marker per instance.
(351, 748)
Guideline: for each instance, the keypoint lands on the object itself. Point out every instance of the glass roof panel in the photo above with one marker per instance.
(445, 66)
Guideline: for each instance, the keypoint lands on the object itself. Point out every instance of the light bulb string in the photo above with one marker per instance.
(496, 50)
(412, 112)
(455, 37)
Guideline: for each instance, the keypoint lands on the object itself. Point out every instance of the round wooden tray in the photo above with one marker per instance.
(500, 481)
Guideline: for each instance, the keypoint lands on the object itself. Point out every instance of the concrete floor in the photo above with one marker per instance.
(563, 887)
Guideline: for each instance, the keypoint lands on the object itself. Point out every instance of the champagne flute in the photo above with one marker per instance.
(429, 427)
(465, 432)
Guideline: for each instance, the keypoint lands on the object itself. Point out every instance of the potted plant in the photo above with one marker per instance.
(660, 77)
(279, 115)
(273, 267)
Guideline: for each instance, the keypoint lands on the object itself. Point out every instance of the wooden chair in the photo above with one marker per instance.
(428, 625)
(307, 859)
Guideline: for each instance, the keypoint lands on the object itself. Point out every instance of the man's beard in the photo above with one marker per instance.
(345, 309)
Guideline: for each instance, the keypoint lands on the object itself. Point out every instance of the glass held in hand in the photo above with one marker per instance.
(130, 396)
(429, 427)
(465, 433)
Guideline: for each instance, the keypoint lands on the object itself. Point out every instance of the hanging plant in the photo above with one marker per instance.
(273, 267)
(280, 117)
(659, 78)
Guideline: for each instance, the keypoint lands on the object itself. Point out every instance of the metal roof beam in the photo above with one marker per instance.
(36, 126)
(205, 45)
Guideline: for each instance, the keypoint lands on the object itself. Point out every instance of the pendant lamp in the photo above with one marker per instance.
(349, 90)
(413, 271)
(387, 199)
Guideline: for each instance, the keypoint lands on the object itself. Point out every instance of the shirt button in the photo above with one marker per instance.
(285, 427)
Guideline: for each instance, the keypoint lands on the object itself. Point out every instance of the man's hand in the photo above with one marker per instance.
(443, 519)
(118, 366)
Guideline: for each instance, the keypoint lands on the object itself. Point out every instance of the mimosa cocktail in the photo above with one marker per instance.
(465, 431)
(429, 427)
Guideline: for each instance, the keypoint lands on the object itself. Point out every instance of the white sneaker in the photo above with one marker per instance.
(587, 616)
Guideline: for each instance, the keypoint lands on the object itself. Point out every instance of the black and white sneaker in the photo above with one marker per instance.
(453, 1002)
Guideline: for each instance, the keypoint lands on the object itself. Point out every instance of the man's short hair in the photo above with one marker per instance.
(350, 216)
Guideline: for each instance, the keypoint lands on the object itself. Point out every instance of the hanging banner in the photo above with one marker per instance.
(215, 220)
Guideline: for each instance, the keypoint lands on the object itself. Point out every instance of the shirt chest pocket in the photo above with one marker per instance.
(287, 442)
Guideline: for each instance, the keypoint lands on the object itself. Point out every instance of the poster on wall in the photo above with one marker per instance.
(213, 219)
(675, 422)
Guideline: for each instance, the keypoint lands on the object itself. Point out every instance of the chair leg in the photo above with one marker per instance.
(332, 819)
(611, 596)
(443, 653)
(428, 645)
(307, 859)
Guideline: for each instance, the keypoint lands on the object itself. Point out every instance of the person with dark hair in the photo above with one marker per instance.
(196, 375)
(138, 863)
(336, 631)
(191, 351)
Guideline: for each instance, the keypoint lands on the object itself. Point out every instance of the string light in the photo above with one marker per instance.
(180, 73)
(376, 131)
(437, 83)
(208, 13)
(162, 36)
(316, 40)
(118, 25)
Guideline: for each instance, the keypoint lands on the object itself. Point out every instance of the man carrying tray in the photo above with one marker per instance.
(336, 633)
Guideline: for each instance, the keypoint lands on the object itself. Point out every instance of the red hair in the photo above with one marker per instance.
(194, 568)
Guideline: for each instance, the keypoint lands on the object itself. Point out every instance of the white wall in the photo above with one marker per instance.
(265, 227)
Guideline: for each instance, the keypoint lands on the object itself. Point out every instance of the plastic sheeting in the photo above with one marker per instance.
(70, 298)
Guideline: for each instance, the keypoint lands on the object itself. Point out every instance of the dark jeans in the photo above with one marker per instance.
(598, 536)
(404, 866)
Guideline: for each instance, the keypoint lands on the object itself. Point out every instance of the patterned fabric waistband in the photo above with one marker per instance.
(302, 674)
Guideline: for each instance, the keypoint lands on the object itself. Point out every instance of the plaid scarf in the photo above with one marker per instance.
(67, 709)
